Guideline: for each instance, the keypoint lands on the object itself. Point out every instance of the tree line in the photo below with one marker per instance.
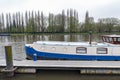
(66, 21)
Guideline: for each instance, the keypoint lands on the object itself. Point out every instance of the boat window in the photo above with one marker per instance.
(81, 50)
(104, 39)
(101, 50)
(118, 39)
(110, 39)
(107, 40)
(115, 39)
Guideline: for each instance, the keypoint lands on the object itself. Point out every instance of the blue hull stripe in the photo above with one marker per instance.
(31, 51)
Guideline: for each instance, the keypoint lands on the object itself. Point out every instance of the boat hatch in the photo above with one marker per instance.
(113, 39)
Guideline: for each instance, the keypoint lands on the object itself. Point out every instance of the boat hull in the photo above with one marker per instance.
(57, 56)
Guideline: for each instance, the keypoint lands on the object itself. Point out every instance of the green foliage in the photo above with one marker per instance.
(31, 26)
(35, 22)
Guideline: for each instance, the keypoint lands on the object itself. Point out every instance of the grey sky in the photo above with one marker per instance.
(96, 8)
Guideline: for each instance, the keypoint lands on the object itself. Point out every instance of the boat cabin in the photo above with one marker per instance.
(113, 39)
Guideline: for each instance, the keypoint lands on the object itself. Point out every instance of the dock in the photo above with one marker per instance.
(85, 67)
(9, 66)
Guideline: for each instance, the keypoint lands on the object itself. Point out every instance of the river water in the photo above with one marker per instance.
(18, 42)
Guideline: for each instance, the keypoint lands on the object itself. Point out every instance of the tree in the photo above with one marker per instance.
(58, 23)
(63, 21)
(42, 22)
(68, 21)
(7, 24)
(109, 23)
(72, 20)
(22, 23)
(51, 27)
(2, 23)
(39, 24)
(86, 24)
(76, 21)
(99, 26)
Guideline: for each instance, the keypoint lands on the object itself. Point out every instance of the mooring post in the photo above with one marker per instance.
(8, 55)
(9, 70)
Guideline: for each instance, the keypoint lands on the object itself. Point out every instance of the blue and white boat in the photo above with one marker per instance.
(109, 49)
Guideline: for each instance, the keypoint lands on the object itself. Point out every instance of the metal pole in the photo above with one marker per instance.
(90, 37)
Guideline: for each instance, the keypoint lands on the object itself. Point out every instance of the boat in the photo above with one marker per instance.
(2, 34)
(108, 49)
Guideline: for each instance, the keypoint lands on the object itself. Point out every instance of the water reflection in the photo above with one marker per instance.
(60, 75)
(50, 37)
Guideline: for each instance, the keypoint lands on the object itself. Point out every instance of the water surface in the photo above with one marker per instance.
(18, 42)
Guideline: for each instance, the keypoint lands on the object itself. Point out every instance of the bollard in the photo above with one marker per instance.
(35, 57)
(9, 70)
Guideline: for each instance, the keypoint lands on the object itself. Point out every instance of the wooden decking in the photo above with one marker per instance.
(63, 64)
(85, 67)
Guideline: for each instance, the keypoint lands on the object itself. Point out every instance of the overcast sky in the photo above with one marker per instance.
(96, 8)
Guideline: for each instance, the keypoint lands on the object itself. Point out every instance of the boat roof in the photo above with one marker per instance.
(60, 43)
(68, 43)
(112, 36)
